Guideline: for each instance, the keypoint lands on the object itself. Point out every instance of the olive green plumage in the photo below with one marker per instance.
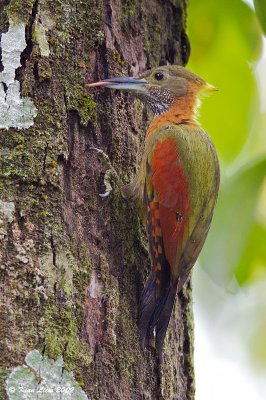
(177, 184)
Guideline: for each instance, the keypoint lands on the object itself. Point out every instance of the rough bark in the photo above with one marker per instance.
(72, 264)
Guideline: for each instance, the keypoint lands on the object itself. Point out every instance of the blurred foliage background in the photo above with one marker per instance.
(228, 50)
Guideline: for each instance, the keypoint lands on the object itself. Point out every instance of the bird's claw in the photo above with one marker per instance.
(105, 194)
(108, 177)
(110, 174)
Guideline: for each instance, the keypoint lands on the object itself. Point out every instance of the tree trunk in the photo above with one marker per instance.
(73, 264)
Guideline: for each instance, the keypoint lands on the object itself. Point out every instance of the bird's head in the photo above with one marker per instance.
(162, 87)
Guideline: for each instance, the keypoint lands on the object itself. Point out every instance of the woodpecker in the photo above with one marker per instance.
(177, 183)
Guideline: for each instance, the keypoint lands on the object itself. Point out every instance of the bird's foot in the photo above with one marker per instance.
(110, 177)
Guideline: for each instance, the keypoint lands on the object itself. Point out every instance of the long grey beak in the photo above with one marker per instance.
(123, 83)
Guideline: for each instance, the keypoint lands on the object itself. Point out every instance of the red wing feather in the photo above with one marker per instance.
(171, 185)
(166, 195)
(161, 269)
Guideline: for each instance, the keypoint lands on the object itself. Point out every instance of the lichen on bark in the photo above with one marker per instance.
(73, 264)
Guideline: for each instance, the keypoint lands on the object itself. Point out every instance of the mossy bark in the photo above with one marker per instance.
(73, 264)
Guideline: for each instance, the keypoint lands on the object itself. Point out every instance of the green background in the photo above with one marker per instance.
(226, 45)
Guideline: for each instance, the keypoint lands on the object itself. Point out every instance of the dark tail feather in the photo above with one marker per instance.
(147, 308)
(164, 318)
(155, 313)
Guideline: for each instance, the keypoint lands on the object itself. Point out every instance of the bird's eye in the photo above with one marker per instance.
(158, 76)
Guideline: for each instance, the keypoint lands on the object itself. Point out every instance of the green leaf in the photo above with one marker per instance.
(225, 37)
(251, 265)
(260, 8)
(233, 224)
